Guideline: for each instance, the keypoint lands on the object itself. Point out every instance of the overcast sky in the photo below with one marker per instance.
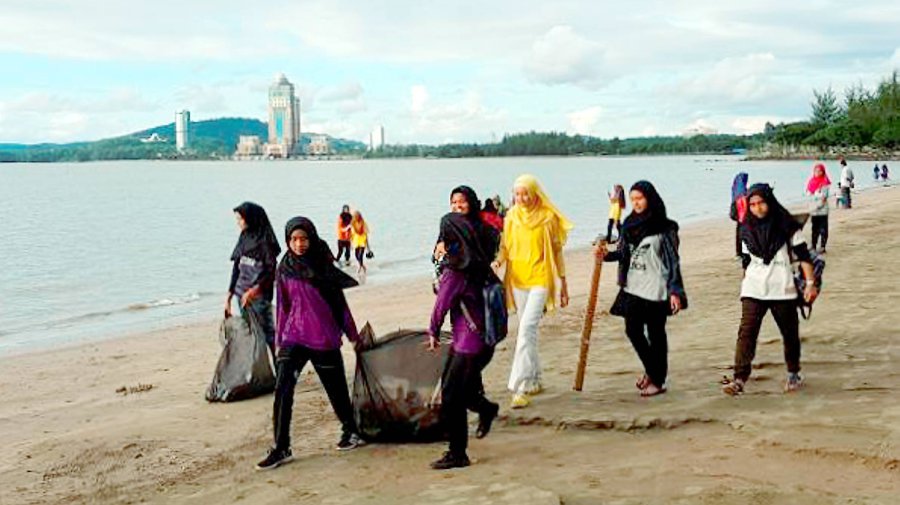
(434, 71)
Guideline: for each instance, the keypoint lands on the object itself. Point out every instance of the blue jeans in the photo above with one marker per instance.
(262, 310)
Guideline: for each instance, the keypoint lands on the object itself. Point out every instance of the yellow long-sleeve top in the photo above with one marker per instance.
(533, 257)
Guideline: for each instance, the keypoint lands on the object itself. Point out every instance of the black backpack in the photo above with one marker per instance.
(818, 263)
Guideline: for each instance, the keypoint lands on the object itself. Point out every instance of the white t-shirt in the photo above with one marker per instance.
(647, 273)
(846, 177)
(774, 281)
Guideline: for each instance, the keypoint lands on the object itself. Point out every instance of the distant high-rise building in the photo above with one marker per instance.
(284, 119)
(376, 138)
(182, 129)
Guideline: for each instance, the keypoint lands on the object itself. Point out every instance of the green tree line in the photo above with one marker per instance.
(864, 118)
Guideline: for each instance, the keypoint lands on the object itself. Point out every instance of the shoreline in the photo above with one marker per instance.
(196, 321)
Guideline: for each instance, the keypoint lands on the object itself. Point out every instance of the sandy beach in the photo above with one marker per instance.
(70, 437)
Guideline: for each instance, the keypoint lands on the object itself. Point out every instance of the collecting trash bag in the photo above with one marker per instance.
(397, 388)
(245, 366)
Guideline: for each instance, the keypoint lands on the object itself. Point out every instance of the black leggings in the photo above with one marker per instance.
(360, 254)
(819, 229)
(752, 313)
(609, 229)
(329, 367)
(343, 249)
(463, 389)
(645, 325)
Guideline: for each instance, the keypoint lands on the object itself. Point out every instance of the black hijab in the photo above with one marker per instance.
(652, 221)
(346, 216)
(258, 240)
(468, 244)
(317, 267)
(474, 203)
(764, 237)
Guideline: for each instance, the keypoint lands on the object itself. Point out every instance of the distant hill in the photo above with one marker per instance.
(210, 139)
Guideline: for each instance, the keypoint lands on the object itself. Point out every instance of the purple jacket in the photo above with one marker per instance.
(452, 293)
(304, 318)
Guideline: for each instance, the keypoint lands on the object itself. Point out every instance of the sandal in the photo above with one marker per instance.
(732, 387)
(656, 390)
(793, 383)
(642, 382)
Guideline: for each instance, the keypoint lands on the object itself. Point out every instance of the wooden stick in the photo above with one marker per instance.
(588, 324)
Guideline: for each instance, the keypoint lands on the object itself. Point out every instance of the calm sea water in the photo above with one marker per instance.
(99, 249)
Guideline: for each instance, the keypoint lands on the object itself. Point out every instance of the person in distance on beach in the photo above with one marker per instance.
(344, 234)
(846, 183)
(360, 238)
(312, 315)
(616, 206)
(531, 247)
(467, 246)
(770, 236)
(817, 189)
(253, 271)
(490, 215)
(649, 277)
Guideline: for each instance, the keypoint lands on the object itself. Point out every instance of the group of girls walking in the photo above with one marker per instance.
(353, 235)
(312, 312)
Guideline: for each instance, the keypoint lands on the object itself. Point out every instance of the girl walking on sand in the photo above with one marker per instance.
(360, 240)
(253, 270)
(312, 315)
(817, 190)
(467, 245)
(770, 237)
(534, 233)
(651, 288)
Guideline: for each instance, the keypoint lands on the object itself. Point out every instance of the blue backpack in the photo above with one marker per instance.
(496, 316)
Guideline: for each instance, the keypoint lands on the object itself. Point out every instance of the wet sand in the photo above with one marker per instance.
(69, 437)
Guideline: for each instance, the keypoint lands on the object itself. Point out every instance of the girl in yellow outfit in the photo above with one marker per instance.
(359, 231)
(534, 233)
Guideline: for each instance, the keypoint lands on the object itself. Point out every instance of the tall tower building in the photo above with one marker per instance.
(284, 118)
(182, 128)
(376, 138)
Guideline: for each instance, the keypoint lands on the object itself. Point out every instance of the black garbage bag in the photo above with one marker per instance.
(245, 365)
(397, 388)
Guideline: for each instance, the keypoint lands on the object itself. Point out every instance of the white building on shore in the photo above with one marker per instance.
(376, 138)
(182, 130)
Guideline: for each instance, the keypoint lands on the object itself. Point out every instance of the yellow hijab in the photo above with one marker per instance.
(539, 212)
(542, 213)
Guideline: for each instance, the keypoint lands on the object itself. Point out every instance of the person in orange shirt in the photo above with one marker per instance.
(344, 234)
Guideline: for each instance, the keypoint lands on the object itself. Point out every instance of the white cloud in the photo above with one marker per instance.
(585, 121)
(465, 120)
(347, 99)
(418, 98)
(562, 56)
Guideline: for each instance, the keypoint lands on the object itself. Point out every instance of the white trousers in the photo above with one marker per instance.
(526, 366)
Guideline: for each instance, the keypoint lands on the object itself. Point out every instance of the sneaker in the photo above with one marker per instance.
(350, 441)
(485, 421)
(519, 401)
(450, 460)
(793, 383)
(275, 458)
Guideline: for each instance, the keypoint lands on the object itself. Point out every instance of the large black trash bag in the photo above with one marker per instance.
(397, 388)
(245, 366)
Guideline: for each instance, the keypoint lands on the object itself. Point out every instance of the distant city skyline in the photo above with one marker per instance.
(456, 72)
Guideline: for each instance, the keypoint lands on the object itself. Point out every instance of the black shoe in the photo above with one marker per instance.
(485, 421)
(275, 458)
(350, 441)
(450, 460)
